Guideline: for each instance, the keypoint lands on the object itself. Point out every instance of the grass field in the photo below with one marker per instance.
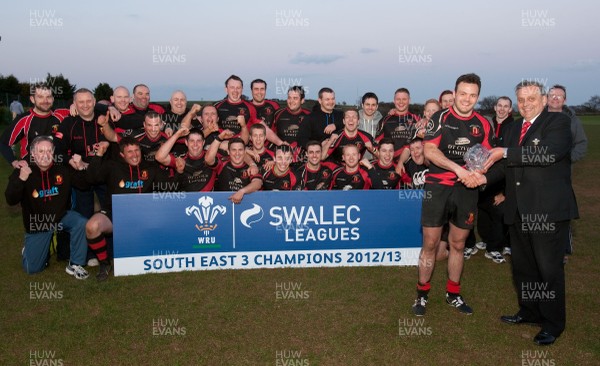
(345, 316)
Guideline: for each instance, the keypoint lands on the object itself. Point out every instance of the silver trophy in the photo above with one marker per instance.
(476, 157)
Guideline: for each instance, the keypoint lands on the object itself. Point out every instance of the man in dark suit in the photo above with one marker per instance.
(539, 206)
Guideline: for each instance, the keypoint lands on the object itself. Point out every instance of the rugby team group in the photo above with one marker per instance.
(521, 196)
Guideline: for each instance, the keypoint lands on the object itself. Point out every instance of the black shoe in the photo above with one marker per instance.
(103, 271)
(544, 338)
(516, 319)
(419, 305)
(459, 303)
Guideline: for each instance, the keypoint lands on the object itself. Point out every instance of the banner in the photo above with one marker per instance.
(178, 231)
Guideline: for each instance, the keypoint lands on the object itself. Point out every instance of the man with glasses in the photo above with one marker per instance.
(557, 97)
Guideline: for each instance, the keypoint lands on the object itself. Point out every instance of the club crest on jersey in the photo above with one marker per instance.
(355, 178)
(268, 111)
(325, 174)
(144, 175)
(242, 112)
(475, 130)
(206, 212)
(58, 180)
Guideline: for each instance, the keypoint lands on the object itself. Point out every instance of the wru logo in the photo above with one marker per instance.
(206, 213)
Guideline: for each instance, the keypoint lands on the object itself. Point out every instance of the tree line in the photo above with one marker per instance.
(11, 88)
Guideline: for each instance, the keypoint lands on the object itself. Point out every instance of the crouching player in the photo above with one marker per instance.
(44, 191)
(130, 175)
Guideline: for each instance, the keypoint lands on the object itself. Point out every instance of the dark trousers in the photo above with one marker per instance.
(490, 225)
(538, 249)
(83, 201)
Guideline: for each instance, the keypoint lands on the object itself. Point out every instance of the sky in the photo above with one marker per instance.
(351, 46)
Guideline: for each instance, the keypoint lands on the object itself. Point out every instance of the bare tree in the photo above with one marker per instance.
(593, 103)
(486, 105)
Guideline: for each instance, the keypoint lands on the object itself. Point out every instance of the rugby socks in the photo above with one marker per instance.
(98, 246)
(423, 290)
(452, 287)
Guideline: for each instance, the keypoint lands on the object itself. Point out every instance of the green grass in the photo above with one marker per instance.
(349, 316)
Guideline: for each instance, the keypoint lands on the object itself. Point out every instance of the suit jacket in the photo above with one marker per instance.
(538, 171)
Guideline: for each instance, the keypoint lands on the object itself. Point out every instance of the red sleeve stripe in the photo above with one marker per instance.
(23, 124)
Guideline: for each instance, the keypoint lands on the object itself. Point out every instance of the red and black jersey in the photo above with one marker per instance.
(228, 113)
(454, 135)
(266, 155)
(28, 126)
(149, 147)
(173, 121)
(45, 197)
(232, 178)
(266, 111)
(133, 118)
(287, 124)
(360, 140)
(274, 182)
(383, 177)
(122, 178)
(344, 180)
(196, 176)
(401, 129)
(78, 136)
(416, 173)
(313, 180)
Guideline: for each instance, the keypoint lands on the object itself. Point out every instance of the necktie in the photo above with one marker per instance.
(524, 129)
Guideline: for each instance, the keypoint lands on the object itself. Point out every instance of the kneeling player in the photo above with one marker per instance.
(44, 191)
(132, 175)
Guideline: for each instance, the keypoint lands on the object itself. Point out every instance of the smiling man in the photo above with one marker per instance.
(557, 98)
(450, 132)
(132, 119)
(323, 120)
(129, 175)
(44, 191)
(349, 135)
(399, 125)
(80, 135)
(40, 121)
(233, 107)
(539, 205)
